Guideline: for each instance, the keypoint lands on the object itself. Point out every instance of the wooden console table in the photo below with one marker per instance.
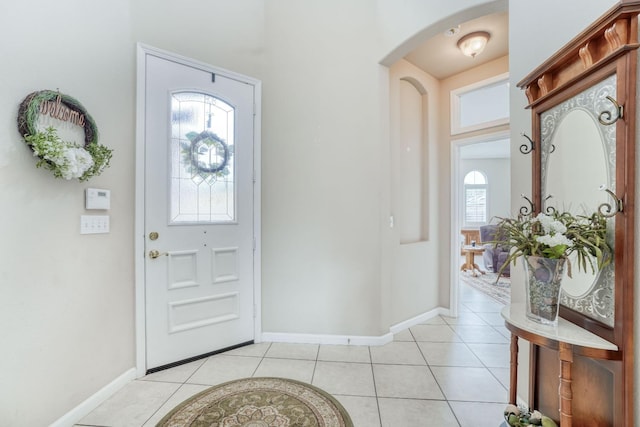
(567, 338)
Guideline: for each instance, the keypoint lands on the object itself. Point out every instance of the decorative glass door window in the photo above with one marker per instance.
(202, 179)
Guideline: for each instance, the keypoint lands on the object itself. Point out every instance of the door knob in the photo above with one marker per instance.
(155, 254)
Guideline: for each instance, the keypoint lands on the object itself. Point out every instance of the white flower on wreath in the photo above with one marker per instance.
(68, 159)
(71, 161)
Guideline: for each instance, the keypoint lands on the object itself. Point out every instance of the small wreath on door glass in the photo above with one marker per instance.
(42, 115)
(208, 154)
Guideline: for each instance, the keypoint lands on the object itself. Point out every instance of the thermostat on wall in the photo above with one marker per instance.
(97, 198)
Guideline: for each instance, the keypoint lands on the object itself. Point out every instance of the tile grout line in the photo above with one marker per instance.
(375, 387)
(478, 357)
(432, 374)
(446, 399)
(172, 394)
(315, 365)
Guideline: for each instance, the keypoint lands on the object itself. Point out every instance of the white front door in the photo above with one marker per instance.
(199, 211)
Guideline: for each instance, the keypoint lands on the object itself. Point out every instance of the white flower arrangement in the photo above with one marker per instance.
(554, 232)
(66, 159)
(557, 235)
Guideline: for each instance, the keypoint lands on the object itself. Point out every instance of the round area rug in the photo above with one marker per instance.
(259, 402)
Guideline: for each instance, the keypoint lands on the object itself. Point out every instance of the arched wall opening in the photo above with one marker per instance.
(417, 277)
(410, 192)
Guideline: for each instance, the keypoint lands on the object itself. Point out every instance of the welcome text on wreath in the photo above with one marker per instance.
(57, 110)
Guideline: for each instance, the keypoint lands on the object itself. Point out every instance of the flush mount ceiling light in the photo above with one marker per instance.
(474, 43)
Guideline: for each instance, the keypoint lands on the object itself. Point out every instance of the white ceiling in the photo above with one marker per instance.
(440, 56)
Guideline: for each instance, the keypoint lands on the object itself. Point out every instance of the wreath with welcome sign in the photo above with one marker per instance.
(66, 159)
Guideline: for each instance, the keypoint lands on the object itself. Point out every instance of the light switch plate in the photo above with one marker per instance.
(94, 224)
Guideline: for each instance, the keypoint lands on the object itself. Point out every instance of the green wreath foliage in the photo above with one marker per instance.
(65, 159)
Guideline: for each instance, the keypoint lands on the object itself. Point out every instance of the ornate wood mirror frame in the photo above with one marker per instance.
(598, 67)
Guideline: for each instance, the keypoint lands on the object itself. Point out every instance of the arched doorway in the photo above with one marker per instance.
(440, 209)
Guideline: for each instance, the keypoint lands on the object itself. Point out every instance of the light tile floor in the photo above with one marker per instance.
(447, 372)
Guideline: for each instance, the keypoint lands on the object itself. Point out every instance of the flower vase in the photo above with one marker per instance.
(543, 281)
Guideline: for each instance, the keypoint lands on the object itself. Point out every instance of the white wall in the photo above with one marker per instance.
(412, 284)
(530, 47)
(321, 157)
(325, 166)
(66, 300)
(222, 33)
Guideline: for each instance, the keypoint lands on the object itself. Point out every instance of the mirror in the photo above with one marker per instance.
(577, 161)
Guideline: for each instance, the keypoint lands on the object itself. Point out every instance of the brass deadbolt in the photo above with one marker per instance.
(154, 235)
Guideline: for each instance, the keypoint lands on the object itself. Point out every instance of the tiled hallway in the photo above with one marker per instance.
(446, 372)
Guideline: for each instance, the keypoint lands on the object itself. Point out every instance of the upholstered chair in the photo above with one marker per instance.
(494, 257)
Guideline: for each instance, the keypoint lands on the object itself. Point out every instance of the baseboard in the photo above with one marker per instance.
(406, 324)
(327, 339)
(83, 409)
(352, 339)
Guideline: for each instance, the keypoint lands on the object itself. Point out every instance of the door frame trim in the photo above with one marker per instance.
(456, 207)
(139, 243)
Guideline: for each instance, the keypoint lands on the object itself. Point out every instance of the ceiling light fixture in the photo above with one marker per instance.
(473, 43)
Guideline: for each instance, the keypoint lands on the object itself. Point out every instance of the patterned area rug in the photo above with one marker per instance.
(486, 283)
(259, 402)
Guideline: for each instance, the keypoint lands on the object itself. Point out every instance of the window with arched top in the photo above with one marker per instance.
(475, 198)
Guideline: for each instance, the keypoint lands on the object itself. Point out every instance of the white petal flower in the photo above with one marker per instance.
(67, 159)
(73, 162)
(557, 227)
(554, 240)
(545, 221)
(550, 225)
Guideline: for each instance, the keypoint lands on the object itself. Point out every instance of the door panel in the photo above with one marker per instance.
(199, 202)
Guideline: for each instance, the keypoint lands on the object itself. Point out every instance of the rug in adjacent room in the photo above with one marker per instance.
(498, 288)
(259, 402)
